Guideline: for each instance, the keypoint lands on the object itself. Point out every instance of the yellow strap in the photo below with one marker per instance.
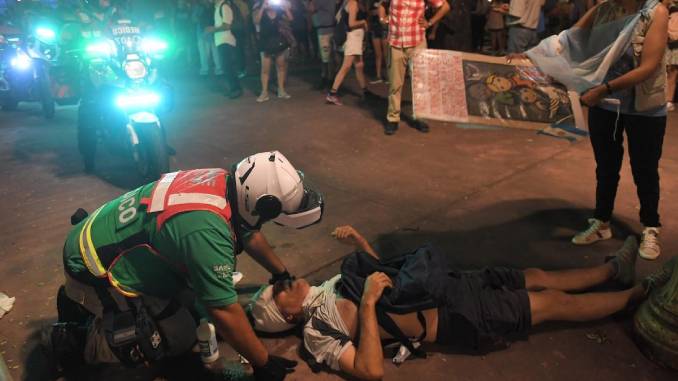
(87, 250)
(118, 286)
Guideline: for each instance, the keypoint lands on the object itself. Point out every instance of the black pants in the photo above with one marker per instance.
(477, 31)
(229, 62)
(645, 139)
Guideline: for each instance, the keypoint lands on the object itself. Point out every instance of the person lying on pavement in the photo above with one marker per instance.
(418, 296)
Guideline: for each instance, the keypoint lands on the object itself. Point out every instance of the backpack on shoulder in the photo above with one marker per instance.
(341, 28)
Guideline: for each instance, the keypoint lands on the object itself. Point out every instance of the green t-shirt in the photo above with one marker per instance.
(193, 249)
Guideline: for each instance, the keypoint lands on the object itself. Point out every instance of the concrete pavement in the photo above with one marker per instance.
(487, 197)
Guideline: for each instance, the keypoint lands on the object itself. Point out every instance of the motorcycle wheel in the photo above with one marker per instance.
(87, 137)
(153, 158)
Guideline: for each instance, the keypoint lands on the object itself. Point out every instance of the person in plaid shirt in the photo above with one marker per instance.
(407, 26)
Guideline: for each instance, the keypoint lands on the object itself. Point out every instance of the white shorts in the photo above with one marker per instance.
(354, 43)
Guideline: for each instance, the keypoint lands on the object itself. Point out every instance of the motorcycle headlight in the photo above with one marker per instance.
(45, 34)
(135, 69)
(138, 100)
(154, 45)
(104, 48)
(22, 61)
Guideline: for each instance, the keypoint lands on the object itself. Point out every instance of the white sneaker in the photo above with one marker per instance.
(597, 231)
(263, 98)
(649, 244)
(283, 95)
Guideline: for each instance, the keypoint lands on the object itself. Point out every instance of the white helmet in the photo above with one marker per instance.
(269, 188)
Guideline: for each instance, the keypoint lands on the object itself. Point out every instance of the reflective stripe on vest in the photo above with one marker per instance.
(160, 191)
(197, 198)
(118, 287)
(87, 249)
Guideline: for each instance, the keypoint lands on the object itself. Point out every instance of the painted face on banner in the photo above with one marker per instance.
(498, 84)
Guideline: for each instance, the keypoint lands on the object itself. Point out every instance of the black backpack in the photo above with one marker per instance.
(410, 273)
(341, 29)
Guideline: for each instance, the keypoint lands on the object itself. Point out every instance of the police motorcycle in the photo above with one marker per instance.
(25, 69)
(122, 97)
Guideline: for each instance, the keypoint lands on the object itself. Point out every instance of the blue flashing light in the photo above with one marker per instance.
(22, 61)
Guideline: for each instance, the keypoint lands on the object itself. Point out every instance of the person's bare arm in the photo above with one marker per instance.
(287, 8)
(367, 361)
(231, 323)
(348, 235)
(432, 33)
(261, 251)
(437, 16)
(259, 12)
(650, 59)
(353, 22)
(586, 21)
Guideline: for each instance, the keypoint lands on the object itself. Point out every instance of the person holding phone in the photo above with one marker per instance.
(275, 39)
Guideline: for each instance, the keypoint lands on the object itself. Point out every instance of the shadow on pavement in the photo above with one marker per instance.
(539, 237)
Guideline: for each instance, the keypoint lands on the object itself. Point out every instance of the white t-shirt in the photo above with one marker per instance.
(525, 13)
(224, 36)
(325, 334)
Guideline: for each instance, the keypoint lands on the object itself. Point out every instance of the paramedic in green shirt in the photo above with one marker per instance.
(184, 232)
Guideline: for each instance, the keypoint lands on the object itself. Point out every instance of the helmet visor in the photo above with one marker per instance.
(310, 211)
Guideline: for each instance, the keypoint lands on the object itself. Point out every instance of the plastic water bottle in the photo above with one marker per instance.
(207, 340)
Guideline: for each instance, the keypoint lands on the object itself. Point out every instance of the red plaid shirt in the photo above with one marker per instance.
(403, 22)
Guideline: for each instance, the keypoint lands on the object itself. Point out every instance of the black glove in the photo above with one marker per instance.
(275, 369)
(280, 277)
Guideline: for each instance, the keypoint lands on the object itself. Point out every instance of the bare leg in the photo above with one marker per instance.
(341, 74)
(265, 71)
(376, 43)
(281, 67)
(568, 280)
(359, 66)
(555, 305)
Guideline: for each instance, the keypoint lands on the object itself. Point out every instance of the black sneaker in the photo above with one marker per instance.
(64, 345)
(420, 126)
(390, 128)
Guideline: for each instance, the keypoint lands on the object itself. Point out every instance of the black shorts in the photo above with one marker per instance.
(484, 309)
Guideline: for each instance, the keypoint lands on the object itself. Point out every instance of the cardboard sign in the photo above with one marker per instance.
(472, 88)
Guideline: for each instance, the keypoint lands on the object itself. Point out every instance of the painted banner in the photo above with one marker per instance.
(472, 88)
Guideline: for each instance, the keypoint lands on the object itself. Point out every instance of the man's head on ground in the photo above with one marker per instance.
(280, 307)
